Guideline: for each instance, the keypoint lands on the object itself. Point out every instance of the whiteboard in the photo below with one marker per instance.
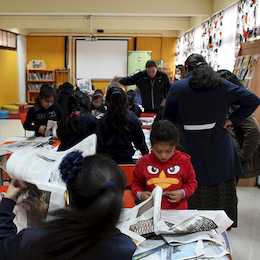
(101, 59)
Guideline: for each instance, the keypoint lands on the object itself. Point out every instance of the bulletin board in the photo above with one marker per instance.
(101, 59)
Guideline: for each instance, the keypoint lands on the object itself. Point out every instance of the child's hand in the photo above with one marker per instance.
(175, 195)
(145, 195)
(42, 129)
(14, 190)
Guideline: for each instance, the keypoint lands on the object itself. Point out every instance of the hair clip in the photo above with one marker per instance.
(74, 113)
(200, 63)
(110, 183)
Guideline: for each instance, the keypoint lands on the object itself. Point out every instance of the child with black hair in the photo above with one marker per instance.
(44, 109)
(119, 128)
(97, 106)
(85, 229)
(166, 167)
(132, 106)
(77, 123)
(63, 93)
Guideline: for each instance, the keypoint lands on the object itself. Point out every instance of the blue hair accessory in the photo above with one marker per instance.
(70, 165)
(110, 183)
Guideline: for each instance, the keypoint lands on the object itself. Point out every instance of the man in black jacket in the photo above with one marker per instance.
(153, 85)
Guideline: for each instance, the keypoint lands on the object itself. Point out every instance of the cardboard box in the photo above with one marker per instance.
(249, 182)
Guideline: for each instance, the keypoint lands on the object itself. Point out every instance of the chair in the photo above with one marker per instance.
(148, 115)
(128, 170)
(23, 117)
(129, 200)
(3, 190)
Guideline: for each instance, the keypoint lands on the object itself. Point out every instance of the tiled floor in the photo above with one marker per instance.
(244, 240)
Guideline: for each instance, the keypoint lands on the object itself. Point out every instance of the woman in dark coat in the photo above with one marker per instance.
(199, 104)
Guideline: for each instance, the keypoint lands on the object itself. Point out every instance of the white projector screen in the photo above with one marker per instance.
(101, 59)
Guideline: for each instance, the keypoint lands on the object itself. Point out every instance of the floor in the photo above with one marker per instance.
(244, 240)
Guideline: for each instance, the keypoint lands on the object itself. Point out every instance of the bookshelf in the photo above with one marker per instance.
(35, 79)
(252, 48)
(62, 76)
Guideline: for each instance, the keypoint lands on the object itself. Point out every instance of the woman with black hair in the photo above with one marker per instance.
(119, 128)
(85, 229)
(77, 122)
(200, 104)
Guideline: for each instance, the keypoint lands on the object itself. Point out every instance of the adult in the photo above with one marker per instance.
(85, 229)
(153, 85)
(200, 104)
(246, 136)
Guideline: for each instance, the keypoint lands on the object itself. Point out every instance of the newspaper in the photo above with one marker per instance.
(39, 168)
(201, 233)
(12, 145)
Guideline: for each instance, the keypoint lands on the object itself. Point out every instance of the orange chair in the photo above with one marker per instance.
(128, 170)
(23, 117)
(148, 115)
(129, 200)
(3, 189)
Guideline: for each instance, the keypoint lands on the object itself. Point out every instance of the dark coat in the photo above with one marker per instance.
(212, 151)
(119, 145)
(248, 136)
(89, 123)
(19, 246)
(152, 93)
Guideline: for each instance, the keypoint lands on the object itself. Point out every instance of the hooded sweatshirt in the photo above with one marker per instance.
(177, 173)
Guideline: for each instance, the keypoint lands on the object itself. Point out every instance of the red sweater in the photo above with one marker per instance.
(175, 174)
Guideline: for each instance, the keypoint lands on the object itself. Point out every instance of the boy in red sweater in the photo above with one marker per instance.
(166, 167)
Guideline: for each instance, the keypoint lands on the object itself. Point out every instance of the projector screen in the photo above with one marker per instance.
(101, 59)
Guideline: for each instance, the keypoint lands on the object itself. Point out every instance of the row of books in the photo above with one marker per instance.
(36, 87)
(38, 76)
(245, 67)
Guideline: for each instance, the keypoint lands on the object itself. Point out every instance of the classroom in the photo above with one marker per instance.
(98, 40)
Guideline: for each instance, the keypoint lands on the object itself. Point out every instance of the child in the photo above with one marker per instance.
(119, 128)
(64, 91)
(43, 110)
(85, 229)
(166, 167)
(77, 123)
(132, 106)
(97, 106)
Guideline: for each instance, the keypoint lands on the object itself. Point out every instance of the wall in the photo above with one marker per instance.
(52, 51)
(9, 77)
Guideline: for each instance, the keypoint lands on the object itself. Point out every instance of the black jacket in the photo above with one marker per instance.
(40, 116)
(153, 91)
(119, 145)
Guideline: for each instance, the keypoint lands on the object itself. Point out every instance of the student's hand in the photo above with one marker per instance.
(42, 129)
(228, 125)
(15, 189)
(145, 195)
(175, 195)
